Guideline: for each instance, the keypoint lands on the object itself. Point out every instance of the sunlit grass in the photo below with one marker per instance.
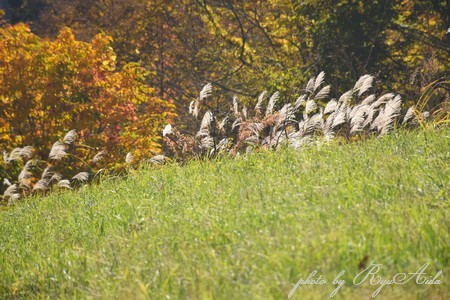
(247, 228)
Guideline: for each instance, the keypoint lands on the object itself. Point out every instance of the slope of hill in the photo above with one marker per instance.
(244, 228)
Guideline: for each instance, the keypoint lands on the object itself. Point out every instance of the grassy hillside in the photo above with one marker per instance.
(247, 228)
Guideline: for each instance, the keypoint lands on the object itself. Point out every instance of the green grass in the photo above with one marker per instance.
(247, 228)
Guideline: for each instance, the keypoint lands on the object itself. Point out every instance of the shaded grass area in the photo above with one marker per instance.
(244, 228)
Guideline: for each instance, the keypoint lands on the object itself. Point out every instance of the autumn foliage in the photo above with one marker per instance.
(57, 82)
(48, 87)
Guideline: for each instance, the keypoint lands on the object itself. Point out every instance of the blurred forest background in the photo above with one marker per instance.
(119, 70)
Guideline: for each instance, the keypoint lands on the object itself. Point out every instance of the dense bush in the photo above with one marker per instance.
(48, 87)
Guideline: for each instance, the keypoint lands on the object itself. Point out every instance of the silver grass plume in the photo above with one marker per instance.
(47, 173)
(255, 128)
(366, 85)
(330, 107)
(370, 113)
(285, 114)
(196, 109)
(206, 121)
(354, 110)
(236, 123)
(348, 111)
(58, 151)
(18, 154)
(382, 100)
(81, 177)
(278, 137)
(13, 198)
(129, 158)
(207, 142)
(64, 184)
(368, 100)
(11, 190)
(273, 99)
(55, 177)
(323, 93)
(167, 130)
(203, 132)
(300, 101)
(41, 185)
(158, 159)
(245, 112)
(310, 107)
(70, 137)
(99, 156)
(261, 98)
(310, 85)
(205, 92)
(360, 82)
(328, 133)
(221, 146)
(25, 152)
(390, 112)
(340, 118)
(357, 121)
(409, 115)
(345, 97)
(25, 175)
(319, 80)
(327, 127)
(310, 125)
(295, 134)
(252, 140)
(221, 125)
(366, 110)
(99, 172)
(385, 119)
(266, 141)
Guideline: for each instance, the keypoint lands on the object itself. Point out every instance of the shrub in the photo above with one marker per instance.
(48, 87)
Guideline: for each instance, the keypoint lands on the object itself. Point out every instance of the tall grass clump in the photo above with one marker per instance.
(311, 117)
(67, 166)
